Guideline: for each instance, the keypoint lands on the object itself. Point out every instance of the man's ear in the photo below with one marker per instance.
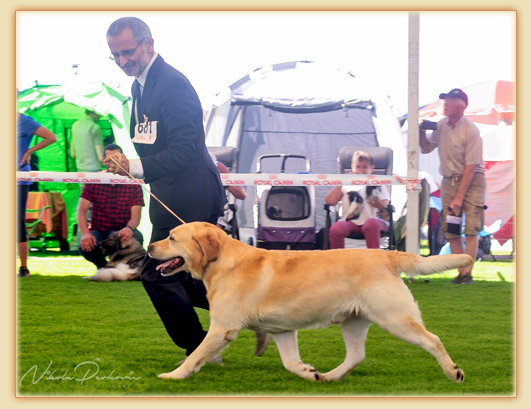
(209, 243)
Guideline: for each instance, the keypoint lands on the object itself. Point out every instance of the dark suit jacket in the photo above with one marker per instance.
(177, 166)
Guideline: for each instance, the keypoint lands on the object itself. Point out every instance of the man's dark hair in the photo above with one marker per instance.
(112, 147)
(139, 29)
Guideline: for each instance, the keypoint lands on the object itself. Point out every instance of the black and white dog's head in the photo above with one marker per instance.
(353, 202)
(373, 191)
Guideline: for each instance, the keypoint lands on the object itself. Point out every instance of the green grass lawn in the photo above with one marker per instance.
(80, 338)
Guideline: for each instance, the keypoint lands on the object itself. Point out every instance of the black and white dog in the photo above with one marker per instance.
(353, 203)
(125, 260)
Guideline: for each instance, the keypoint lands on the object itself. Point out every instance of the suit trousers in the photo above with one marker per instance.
(175, 297)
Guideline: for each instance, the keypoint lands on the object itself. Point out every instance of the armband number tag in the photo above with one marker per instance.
(146, 132)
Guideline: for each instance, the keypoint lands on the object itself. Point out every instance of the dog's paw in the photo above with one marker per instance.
(459, 375)
(309, 372)
(165, 376)
(171, 375)
(318, 376)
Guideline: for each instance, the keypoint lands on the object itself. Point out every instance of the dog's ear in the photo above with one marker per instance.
(372, 190)
(209, 243)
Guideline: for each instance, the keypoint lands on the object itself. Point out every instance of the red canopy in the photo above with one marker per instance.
(500, 198)
(488, 103)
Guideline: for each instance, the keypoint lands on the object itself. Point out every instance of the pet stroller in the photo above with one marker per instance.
(285, 215)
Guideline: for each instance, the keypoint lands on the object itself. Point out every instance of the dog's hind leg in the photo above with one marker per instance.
(411, 329)
(216, 340)
(395, 310)
(354, 333)
(414, 332)
(289, 353)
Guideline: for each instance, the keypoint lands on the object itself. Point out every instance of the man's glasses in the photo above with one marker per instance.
(126, 54)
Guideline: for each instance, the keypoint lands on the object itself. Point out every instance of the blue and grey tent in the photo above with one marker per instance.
(308, 109)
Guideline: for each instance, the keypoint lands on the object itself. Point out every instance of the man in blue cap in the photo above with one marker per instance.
(463, 186)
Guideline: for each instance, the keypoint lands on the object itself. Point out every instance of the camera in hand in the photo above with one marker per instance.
(429, 125)
(453, 223)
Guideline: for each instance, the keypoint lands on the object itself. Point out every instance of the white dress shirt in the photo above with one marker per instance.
(135, 165)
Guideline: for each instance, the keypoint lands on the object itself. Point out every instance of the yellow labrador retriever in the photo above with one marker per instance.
(279, 292)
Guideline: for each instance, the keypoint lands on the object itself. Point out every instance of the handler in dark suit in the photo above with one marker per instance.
(167, 131)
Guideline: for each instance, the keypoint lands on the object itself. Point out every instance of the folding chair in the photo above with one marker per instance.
(424, 211)
(32, 226)
(227, 155)
(383, 165)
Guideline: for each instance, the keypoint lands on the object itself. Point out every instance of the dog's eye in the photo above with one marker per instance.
(171, 238)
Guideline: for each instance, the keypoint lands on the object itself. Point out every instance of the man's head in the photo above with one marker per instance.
(455, 103)
(131, 45)
(362, 163)
(95, 116)
(111, 149)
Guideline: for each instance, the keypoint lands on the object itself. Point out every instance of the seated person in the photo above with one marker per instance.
(373, 217)
(238, 192)
(115, 207)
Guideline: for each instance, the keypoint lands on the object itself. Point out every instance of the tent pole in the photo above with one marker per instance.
(412, 225)
(67, 148)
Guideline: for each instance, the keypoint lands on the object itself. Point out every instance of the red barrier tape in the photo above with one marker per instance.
(234, 179)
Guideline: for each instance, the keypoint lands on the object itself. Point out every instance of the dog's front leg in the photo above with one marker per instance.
(215, 341)
(289, 353)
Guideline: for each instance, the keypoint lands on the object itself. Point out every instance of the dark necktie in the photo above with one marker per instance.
(137, 93)
(137, 96)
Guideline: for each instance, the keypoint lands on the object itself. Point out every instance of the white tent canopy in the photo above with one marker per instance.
(308, 109)
(499, 155)
(498, 144)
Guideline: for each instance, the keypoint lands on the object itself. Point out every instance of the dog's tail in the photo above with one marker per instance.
(412, 264)
(122, 272)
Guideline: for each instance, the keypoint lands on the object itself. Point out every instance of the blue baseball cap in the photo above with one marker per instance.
(455, 93)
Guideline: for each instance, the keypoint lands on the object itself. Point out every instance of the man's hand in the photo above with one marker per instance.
(456, 206)
(125, 234)
(112, 167)
(421, 128)
(88, 242)
(26, 158)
